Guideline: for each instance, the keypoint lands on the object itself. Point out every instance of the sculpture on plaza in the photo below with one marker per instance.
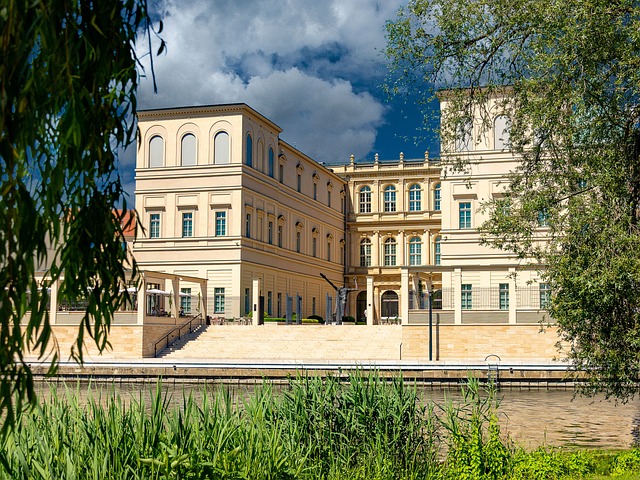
(341, 301)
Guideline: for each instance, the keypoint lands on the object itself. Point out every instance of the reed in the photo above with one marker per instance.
(358, 427)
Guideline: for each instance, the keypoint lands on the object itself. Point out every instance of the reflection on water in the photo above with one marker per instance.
(535, 417)
(532, 417)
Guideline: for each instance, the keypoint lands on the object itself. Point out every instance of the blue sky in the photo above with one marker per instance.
(315, 68)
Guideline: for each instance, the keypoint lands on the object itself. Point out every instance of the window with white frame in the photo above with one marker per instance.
(390, 198)
(437, 192)
(466, 299)
(221, 224)
(415, 251)
(365, 199)
(390, 252)
(365, 252)
(545, 295)
(187, 224)
(465, 214)
(218, 300)
(503, 291)
(154, 225)
(415, 198)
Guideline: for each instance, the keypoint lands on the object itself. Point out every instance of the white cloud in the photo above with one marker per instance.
(295, 61)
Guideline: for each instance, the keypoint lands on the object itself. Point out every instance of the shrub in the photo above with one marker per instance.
(627, 462)
(316, 317)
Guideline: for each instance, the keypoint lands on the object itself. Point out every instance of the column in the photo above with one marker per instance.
(370, 310)
(457, 288)
(175, 308)
(53, 303)
(513, 299)
(255, 300)
(142, 300)
(404, 295)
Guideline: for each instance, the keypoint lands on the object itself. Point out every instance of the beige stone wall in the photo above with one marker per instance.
(125, 342)
(452, 343)
(472, 343)
(152, 334)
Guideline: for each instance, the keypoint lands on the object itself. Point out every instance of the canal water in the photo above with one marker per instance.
(531, 417)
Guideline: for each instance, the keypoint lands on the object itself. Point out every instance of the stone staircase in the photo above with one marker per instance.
(289, 342)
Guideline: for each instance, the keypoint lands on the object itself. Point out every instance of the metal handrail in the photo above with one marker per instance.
(179, 336)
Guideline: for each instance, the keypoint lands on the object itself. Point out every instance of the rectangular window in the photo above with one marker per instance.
(543, 218)
(465, 214)
(187, 224)
(504, 296)
(545, 296)
(185, 301)
(436, 198)
(281, 173)
(221, 224)
(154, 225)
(438, 253)
(298, 241)
(270, 233)
(328, 250)
(315, 191)
(314, 246)
(313, 305)
(247, 301)
(329, 198)
(365, 254)
(465, 296)
(279, 305)
(269, 303)
(299, 183)
(218, 300)
(247, 226)
(280, 236)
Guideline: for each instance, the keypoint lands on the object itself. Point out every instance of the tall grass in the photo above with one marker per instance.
(362, 427)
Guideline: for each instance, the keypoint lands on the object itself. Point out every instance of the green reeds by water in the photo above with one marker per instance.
(363, 427)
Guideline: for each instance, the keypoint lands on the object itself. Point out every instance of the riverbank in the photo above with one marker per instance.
(436, 373)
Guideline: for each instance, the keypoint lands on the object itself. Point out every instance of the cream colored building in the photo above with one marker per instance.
(222, 197)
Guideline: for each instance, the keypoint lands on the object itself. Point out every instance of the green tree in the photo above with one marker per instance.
(68, 79)
(567, 74)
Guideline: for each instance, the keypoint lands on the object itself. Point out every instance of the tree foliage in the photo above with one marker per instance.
(567, 74)
(68, 78)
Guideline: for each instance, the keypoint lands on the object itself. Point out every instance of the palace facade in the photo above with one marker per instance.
(221, 197)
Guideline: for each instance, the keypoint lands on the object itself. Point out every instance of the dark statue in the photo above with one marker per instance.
(341, 301)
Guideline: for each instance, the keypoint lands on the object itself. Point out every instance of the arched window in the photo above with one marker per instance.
(436, 248)
(436, 197)
(365, 253)
(188, 156)
(271, 163)
(415, 251)
(464, 134)
(221, 148)
(249, 152)
(501, 131)
(390, 198)
(156, 151)
(389, 304)
(390, 252)
(415, 198)
(365, 199)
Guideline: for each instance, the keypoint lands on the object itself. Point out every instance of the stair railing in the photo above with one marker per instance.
(177, 333)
